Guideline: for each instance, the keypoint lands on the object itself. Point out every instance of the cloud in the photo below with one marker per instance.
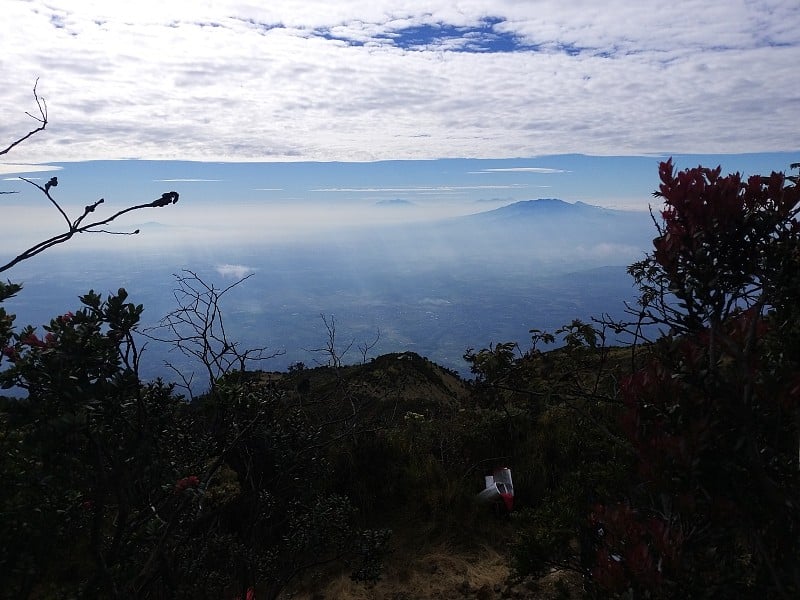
(17, 168)
(234, 271)
(425, 189)
(519, 170)
(354, 81)
(610, 251)
(186, 180)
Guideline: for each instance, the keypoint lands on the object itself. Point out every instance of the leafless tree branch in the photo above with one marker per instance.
(334, 354)
(41, 119)
(77, 226)
(196, 329)
(365, 347)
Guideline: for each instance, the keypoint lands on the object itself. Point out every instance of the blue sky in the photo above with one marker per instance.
(289, 200)
(439, 103)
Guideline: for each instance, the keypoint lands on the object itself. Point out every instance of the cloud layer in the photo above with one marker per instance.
(357, 81)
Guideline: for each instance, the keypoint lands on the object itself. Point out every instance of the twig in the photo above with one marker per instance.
(41, 119)
(74, 227)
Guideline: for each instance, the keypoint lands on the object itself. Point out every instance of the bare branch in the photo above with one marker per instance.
(41, 119)
(196, 329)
(53, 182)
(335, 355)
(365, 347)
(77, 225)
(74, 227)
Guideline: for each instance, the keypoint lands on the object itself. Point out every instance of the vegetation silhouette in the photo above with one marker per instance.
(80, 224)
(119, 488)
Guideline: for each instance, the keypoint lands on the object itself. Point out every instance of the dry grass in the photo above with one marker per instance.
(440, 573)
(445, 574)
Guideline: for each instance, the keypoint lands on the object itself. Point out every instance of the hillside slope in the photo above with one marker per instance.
(443, 545)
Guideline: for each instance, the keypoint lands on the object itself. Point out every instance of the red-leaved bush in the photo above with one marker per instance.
(712, 414)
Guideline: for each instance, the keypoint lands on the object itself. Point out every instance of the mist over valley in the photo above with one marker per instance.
(435, 287)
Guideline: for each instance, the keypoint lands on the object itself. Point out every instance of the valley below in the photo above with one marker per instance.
(434, 288)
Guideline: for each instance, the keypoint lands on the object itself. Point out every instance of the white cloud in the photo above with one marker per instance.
(441, 188)
(519, 170)
(234, 271)
(610, 251)
(16, 168)
(247, 80)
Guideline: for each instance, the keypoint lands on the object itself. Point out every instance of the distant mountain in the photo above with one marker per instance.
(548, 205)
(395, 202)
(549, 226)
(151, 225)
(545, 208)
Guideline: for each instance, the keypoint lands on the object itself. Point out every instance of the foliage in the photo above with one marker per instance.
(89, 452)
(118, 488)
(147, 494)
(713, 414)
(561, 408)
(686, 480)
(7, 290)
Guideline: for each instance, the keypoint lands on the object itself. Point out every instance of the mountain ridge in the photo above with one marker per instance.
(548, 207)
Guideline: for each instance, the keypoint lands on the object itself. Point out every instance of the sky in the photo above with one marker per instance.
(362, 81)
(527, 95)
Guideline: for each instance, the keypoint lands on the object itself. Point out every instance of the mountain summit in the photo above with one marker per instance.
(544, 206)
